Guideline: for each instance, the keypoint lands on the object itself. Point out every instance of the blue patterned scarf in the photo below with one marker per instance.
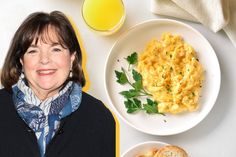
(43, 117)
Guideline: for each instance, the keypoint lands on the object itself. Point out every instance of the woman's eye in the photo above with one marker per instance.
(57, 50)
(31, 51)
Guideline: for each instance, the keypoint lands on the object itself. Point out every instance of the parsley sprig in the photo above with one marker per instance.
(132, 96)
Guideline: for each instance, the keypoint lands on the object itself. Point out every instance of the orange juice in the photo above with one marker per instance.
(103, 15)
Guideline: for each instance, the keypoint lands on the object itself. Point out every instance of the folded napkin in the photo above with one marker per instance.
(214, 14)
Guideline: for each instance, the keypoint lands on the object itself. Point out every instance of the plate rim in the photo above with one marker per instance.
(125, 34)
(143, 143)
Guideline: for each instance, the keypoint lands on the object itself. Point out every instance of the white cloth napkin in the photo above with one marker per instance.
(214, 14)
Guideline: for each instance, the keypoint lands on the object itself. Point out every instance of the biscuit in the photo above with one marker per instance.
(150, 153)
(171, 151)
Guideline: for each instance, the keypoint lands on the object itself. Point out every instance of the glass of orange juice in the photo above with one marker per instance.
(104, 16)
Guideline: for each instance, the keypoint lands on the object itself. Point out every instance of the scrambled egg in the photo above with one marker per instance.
(172, 73)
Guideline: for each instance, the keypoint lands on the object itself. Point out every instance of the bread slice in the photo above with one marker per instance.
(150, 153)
(171, 151)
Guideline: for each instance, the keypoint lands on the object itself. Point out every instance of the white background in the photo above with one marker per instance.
(214, 137)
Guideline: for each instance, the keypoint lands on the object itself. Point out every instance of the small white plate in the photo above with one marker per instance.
(135, 40)
(143, 148)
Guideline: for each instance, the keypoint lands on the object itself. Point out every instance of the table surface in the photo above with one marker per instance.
(214, 136)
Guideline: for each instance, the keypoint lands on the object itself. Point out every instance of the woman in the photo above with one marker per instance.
(43, 111)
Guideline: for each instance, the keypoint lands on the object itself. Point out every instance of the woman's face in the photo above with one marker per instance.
(47, 65)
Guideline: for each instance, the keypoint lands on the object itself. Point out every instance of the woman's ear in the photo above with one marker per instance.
(72, 57)
(21, 61)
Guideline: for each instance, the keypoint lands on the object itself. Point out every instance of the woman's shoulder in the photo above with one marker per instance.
(5, 94)
(6, 102)
(94, 106)
(89, 98)
(92, 102)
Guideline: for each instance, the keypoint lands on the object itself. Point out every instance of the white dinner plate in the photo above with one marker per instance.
(135, 40)
(143, 148)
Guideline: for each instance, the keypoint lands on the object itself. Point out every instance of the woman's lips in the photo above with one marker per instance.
(45, 72)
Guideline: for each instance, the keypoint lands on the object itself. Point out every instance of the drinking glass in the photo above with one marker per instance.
(103, 16)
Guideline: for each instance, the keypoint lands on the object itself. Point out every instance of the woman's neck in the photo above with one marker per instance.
(44, 94)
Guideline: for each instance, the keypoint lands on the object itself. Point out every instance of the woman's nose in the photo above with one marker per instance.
(44, 58)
